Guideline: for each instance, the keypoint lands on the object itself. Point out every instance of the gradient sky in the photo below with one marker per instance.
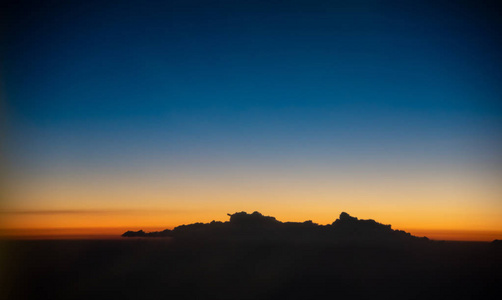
(135, 115)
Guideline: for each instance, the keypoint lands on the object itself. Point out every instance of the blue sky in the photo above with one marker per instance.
(127, 84)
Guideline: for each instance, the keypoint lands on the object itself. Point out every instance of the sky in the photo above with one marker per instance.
(152, 114)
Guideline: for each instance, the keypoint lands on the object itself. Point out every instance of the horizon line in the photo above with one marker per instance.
(54, 233)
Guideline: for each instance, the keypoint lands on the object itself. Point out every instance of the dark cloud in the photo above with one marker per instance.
(257, 227)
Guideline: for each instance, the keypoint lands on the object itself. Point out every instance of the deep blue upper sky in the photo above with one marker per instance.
(89, 83)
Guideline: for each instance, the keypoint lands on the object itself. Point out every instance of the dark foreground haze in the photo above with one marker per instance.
(250, 268)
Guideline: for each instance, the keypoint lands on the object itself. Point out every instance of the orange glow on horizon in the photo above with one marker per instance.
(437, 203)
(458, 235)
(285, 196)
(69, 233)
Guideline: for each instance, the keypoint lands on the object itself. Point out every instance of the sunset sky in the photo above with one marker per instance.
(129, 115)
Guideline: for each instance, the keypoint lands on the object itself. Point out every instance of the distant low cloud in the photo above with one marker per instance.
(82, 211)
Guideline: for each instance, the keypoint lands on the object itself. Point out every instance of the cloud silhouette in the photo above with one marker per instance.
(255, 226)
